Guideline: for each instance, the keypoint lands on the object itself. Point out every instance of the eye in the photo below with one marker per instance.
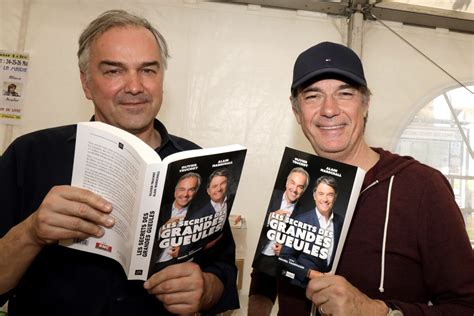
(149, 71)
(313, 95)
(346, 94)
(112, 71)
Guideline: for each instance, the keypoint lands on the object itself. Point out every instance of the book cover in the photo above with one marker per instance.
(308, 217)
(196, 203)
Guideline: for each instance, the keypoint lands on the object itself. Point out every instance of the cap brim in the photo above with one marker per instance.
(328, 71)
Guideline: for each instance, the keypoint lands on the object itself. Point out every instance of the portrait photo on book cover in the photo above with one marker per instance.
(304, 217)
(195, 206)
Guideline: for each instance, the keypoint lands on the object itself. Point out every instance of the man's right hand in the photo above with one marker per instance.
(277, 249)
(277, 212)
(66, 212)
(282, 212)
(69, 212)
(174, 220)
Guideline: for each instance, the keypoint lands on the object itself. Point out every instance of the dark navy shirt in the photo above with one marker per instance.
(67, 282)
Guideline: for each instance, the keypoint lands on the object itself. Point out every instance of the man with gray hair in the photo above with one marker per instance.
(184, 192)
(282, 203)
(122, 59)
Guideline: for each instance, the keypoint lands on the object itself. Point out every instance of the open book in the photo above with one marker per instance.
(164, 211)
(308, 217)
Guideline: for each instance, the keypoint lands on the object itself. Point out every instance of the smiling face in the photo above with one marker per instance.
(125, 78)
(185, 191)
(295, 186)
(217, 189)
(324, 196)
(331, 114)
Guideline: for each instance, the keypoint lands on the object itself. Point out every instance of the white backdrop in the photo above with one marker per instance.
(229, 76)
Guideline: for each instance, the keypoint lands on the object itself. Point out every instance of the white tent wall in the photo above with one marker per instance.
(402, 80)
(229, 76)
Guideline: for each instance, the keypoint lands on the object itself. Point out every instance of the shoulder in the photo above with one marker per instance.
(306, 215)
(338, 219)
(171, 143)
(50, 133)
(277, 195)
(198, 212)
(402, 167)
(182, 143)
(41, 139)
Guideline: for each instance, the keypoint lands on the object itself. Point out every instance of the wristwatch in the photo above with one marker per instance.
(393, 310)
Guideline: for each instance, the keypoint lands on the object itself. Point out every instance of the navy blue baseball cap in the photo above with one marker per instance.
(327, 60)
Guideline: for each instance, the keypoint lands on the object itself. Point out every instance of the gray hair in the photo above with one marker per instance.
(190, 175)
(223, 172)
(328, 180)
(303, 172)
(110, 19)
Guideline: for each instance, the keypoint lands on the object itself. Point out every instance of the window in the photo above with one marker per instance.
(442, 135)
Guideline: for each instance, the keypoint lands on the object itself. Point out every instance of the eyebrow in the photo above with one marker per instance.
(122, 65)
(317, 89)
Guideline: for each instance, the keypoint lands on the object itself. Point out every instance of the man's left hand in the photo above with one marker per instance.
(334, 295)
(184, 288)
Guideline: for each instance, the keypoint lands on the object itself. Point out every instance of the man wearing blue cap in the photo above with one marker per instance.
(407, 251)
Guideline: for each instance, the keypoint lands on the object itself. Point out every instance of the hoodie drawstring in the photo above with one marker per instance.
(387, 214)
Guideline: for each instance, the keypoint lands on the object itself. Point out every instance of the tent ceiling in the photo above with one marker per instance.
(399, 11)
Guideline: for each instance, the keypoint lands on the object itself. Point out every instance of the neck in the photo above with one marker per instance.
(287, 200)
(151, 137)
(147, 134)
(363, 156)
(179, 208)
(326, 215)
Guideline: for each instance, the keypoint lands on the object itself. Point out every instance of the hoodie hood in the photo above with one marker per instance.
(388, 165)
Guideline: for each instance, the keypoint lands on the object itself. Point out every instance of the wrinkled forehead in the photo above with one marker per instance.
(328, 76)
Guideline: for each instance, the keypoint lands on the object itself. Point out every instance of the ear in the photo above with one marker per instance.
(366, 109)
(296, 111)
(85, 86)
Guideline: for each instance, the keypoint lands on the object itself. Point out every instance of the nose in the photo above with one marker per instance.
(330, 107)
(134, 84)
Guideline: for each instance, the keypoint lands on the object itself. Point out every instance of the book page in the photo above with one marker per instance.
(106, 163)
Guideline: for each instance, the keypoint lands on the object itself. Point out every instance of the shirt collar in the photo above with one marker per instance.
(322, 218)
(180, 210)
(219, 205)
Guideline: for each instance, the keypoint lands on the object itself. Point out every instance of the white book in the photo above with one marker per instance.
(128, 173)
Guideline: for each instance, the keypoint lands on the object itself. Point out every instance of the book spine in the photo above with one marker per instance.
(146, 222)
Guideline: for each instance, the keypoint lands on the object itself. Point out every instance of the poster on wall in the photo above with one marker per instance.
(13, 76)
